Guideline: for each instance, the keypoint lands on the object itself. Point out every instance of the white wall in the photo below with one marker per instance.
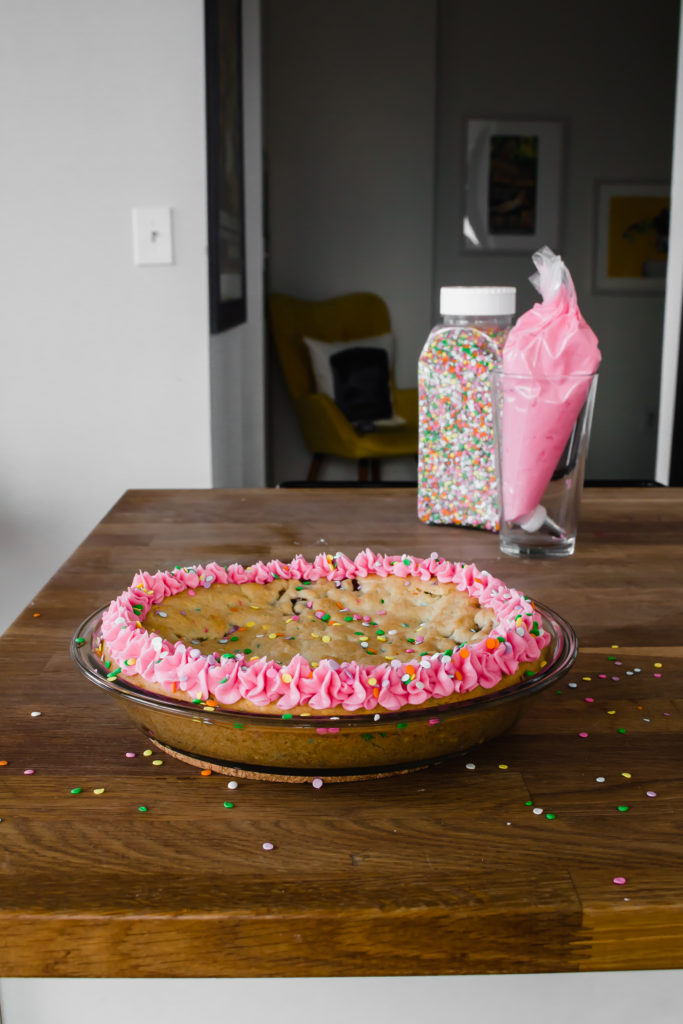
(597, 998)
(109, 377)
(104, 366)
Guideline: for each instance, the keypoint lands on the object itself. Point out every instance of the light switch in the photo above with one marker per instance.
(152, 235)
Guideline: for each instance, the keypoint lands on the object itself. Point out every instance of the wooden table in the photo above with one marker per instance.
(508, 859)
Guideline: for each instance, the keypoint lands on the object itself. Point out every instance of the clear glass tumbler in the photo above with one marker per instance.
(542, 428)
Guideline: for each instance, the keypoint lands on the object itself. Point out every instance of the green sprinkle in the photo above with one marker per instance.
(287, 715)
(137, 608)
(238, 725)
(79, 640)
(228, 804)
(401, 725)
(621, 730)
(142, 808)
(77, 789)
(247, 650)
(550, 817)
(528, 803)
(325, 617)
(623, 807)
(348, 618)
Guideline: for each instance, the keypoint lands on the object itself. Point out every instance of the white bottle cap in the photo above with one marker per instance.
(478, 301)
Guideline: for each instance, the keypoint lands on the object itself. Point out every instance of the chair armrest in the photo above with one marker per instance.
(324, 426)
(405, 404)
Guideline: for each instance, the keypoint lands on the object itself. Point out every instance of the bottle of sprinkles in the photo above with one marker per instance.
(456, 471)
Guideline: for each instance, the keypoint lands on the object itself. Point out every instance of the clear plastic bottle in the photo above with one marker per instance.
(456, 470)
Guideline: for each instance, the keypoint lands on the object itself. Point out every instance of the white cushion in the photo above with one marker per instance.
(320, 353)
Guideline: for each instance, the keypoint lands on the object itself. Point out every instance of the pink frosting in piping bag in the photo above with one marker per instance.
(548, 343)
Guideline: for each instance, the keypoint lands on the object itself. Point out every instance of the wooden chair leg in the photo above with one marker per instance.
(314, 468)
(362, 470)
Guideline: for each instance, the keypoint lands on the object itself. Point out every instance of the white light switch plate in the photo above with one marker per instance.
(152, 235)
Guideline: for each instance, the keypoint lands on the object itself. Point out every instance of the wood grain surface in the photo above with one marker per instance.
(501, 860)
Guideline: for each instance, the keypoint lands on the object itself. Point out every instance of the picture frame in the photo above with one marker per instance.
(631, 237)
(513, 185)
(225, 163)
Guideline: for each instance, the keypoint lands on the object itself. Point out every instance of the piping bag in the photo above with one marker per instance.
(548, 342)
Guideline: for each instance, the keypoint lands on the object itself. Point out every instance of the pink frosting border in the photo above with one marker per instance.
(518, 637)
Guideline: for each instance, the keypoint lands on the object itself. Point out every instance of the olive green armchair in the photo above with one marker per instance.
(325, 428)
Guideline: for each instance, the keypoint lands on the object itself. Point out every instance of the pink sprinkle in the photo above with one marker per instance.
(191, 592)
(650, 792)
(29, 771)
(317, 783)
(433, 721)
(130, 754)
(583, 735)
(619, 880)
(657, 675)
(589, 700)
(615, 679)
(601, 675)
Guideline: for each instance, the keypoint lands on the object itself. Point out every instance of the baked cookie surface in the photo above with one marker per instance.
(332, 636)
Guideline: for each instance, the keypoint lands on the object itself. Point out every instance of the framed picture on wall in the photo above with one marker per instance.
(513, 185)
(631, 236)
(225, 163)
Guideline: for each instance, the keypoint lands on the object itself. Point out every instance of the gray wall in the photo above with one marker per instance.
(350, 141)
(364, 119)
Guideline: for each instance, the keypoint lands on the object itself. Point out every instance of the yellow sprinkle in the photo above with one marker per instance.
(326, 639)
(586, 679)
(372, 681)
(255, 606)
(98, 792)
(627, 775)
(286, 678)
(146, 753)
(615, 647)
(503, 766)
(316, 636)
(658, 664)
(271, 636)
(611, 712)
(157, 762)
(251, 624)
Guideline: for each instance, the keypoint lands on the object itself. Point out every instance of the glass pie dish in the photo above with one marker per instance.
(343, 749)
